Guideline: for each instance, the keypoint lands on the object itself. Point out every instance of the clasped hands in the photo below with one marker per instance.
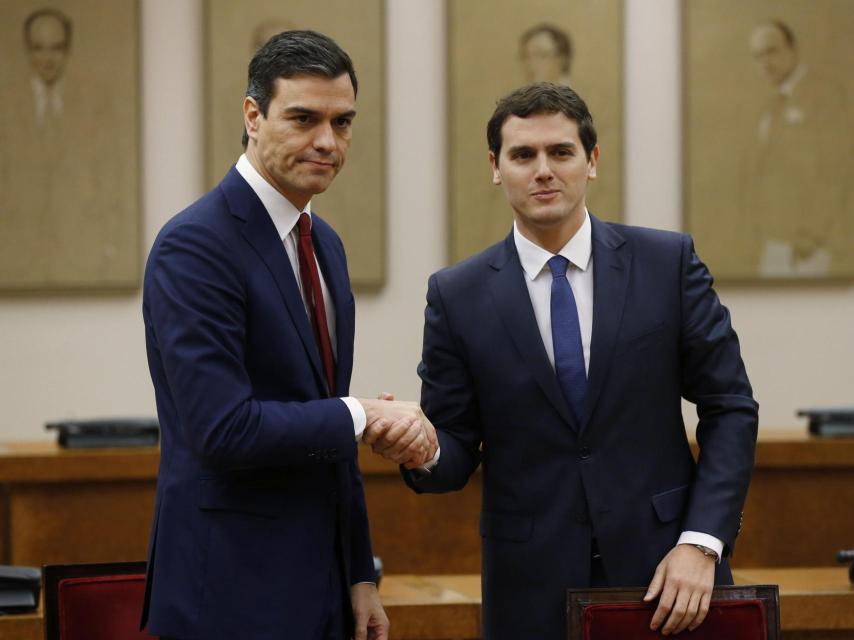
(399, 431)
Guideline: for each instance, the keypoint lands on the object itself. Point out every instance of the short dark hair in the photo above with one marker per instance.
(786, 30)
(538, 98)
(561, 39)
(64, 20)
(290, 54)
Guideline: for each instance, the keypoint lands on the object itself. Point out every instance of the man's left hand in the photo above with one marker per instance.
(684, 579)
(371, 620)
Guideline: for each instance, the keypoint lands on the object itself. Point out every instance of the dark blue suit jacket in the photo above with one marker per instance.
(259, 491)
(624, 474)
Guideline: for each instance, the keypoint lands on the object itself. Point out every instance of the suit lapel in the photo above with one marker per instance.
(513, 302)
(611, 270)
(335, 274)
(260, 232)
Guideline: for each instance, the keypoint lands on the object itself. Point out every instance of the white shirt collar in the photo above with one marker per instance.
(284, 214)
(578, 250)
(48, 98)
(787, 87)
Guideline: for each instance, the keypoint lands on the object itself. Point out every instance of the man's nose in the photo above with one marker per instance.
(543, 169)
(324, 139)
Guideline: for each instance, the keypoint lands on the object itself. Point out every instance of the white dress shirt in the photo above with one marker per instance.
(579, 273)
(47, 98)
(285, 217)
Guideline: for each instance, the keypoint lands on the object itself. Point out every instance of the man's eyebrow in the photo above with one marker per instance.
(518, 148)
(558, 145)
(305, 111)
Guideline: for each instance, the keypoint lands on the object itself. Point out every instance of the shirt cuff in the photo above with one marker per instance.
(360, 420)
(695, 537)
(429, 465)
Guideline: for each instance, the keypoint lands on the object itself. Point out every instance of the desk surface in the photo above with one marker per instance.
(443, 607)
(810, 598)
(47, 462)
(22, 462)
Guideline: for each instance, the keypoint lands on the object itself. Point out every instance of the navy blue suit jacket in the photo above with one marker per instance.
(259, 491)
(624, 473)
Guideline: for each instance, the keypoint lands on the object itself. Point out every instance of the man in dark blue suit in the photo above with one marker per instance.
(557, 359)
(260, 528)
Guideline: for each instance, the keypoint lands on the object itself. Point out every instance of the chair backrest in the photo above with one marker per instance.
(745, 612)
(94, 601)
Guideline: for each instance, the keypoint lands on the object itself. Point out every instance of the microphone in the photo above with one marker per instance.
(847, 555)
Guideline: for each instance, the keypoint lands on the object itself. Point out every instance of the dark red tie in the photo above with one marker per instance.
(314, 298)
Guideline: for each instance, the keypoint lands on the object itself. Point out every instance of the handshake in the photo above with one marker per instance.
(399, 431)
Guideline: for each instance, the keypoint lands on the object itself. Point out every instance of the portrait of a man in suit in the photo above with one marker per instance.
(47, 38)
(556, 361)
(800, 162)
(546, 54)
(69, 193)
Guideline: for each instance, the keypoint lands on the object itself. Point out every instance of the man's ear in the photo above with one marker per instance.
(496, 174)
(251, 116)
(592, 163)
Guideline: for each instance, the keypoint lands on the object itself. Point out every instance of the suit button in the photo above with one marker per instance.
(581, 517)
(584, 453)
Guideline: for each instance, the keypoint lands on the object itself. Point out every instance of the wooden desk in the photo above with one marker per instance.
(438, 607)
(29, 626)
(797, 512)
(62, 506)
(814, 603)
(59, 506)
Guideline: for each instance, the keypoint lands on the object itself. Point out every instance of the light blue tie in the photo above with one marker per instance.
(566, 338)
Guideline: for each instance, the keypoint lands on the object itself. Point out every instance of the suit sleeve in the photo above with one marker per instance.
(714, 378)
(448, 400)
(361, 555)
(195, 306)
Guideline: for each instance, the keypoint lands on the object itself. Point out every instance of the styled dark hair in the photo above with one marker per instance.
(786, 30)
(290, 54)
(561, 39)
(538, 98)
(47, 13)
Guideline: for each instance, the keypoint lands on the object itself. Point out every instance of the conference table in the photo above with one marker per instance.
(60, 506)
(815, 603)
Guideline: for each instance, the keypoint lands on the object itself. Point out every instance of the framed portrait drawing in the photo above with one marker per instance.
(355, 203)
(493, 48)
(769, 152)
(69, 135)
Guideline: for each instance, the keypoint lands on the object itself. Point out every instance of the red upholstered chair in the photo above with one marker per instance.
(736, 613)
(94, 601)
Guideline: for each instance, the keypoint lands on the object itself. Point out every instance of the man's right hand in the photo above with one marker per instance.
(399, 431)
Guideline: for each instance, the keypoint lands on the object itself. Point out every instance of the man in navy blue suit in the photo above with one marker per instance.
(557, 360)
(260, 528)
